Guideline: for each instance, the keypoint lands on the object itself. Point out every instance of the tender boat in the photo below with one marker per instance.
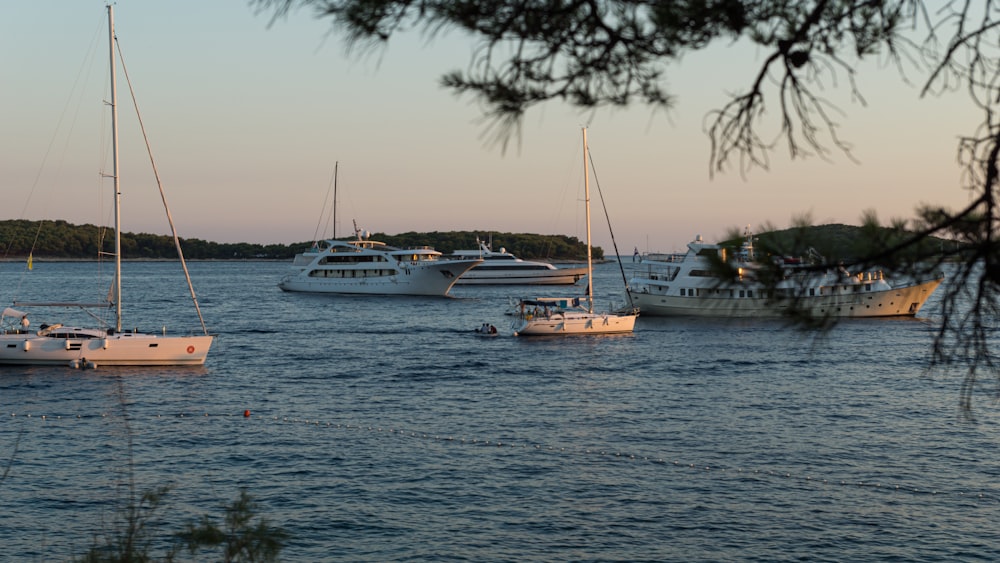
(572, 315)
(503, 268)
(684, 285)
(104, 345)
(363, 266)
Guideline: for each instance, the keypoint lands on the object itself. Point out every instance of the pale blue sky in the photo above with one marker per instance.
(246, 122)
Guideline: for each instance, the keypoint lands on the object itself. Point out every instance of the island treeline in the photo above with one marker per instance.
(522, 245)
(59, 239)
(836, 242)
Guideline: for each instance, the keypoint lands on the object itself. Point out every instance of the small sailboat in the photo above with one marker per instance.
(572, 315)
(90, 347)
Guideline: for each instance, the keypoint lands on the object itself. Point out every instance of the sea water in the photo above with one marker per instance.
(383, 429)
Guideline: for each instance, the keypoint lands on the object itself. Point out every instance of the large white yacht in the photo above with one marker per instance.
(685, 285)
(363, 266)
(503, 268)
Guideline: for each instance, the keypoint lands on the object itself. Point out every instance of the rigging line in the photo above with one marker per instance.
(607, 218)
(570, 184)
(322, 211)
(159, 185)
(89, 55)
(85, 63)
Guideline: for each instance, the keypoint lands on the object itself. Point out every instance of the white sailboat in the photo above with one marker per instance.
(90, 347)
(572, 315)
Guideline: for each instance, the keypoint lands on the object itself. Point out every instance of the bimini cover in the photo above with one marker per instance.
(552, 302)
(8, 312)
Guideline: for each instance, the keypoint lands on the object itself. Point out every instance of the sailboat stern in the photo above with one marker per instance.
(81, 348)
(136, 349)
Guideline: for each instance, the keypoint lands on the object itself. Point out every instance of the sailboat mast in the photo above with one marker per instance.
(586, 193)
(114, 150)
(336, 168)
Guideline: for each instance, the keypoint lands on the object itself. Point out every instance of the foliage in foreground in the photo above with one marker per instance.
(239, 539)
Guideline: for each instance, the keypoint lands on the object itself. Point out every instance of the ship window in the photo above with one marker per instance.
(743, 293)
(749, 293)
(868, 287)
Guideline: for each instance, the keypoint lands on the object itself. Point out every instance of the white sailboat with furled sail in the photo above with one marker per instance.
(105, 345)
(572, 315)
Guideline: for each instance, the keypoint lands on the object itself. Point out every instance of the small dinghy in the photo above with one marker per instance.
(486, 329)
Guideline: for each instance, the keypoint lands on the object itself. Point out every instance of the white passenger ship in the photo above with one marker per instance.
(503, 268)
(685, 285)
(363, 266)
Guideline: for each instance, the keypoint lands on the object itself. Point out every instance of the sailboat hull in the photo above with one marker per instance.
(571, 323)
(125, 349)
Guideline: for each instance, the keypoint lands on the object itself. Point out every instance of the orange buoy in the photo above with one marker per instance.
(190, 349)
(246, 413)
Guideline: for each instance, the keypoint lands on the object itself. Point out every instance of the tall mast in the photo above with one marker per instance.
(336, 167)
(586, 192)
(114, 149)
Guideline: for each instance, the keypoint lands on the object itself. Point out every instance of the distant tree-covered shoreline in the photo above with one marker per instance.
(60, 240)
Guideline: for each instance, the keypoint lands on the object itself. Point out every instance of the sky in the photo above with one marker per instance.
(247, 118)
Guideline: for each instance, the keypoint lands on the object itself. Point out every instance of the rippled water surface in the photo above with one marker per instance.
(384, 429)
